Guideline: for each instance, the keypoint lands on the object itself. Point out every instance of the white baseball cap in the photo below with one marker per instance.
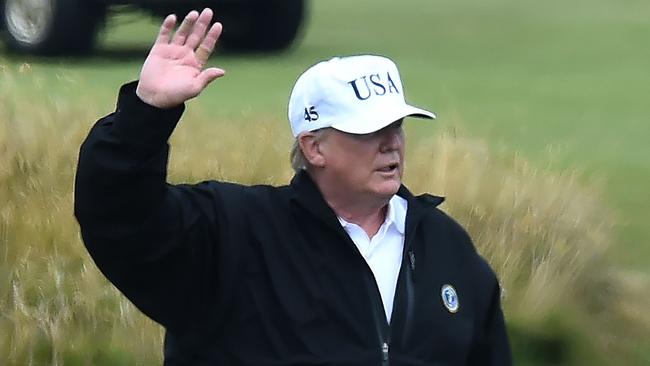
(355, 94)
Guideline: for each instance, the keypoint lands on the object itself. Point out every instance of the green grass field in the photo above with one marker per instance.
(562, 84)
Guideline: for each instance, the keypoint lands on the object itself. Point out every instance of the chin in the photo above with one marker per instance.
(388, 189)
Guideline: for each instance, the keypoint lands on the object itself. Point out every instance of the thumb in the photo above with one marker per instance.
(209, 75)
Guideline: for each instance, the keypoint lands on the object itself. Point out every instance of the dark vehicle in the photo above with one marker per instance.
(57, 27)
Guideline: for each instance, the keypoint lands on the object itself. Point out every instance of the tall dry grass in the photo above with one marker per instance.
(56, 308)
(546, 233)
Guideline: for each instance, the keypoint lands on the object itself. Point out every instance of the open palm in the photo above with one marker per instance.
(174, 70)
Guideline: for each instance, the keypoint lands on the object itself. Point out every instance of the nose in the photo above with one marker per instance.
(392, 139)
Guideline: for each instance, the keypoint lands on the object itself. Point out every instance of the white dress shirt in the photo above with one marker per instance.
(383, 252)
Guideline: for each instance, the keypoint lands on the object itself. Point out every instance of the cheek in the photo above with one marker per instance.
(353, 161)
(356, 170)
(362, 159)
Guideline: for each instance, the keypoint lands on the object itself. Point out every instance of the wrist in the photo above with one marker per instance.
(145, 97)
(152, 99)
(138, 123)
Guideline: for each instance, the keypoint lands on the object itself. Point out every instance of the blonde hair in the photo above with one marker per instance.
(298, 160)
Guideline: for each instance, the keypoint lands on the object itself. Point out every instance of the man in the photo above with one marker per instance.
(343, 266)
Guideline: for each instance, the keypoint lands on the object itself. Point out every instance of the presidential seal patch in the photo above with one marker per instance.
(449, 298)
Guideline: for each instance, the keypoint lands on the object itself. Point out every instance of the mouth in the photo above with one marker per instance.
(390, 168)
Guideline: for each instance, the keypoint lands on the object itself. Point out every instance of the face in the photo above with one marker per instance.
(369, 164)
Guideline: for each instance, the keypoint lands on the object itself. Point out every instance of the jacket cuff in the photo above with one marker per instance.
(140, 124)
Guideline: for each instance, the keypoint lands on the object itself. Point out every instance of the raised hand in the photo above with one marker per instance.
(174, 70)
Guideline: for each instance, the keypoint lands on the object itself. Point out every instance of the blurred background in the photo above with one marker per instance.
(540, 148)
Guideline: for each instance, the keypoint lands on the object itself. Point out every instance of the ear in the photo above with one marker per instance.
(310, 145)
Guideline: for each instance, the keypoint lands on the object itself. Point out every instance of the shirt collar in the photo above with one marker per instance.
(395, 214)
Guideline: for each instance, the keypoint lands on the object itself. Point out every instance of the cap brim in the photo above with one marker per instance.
(376, 123)
(420, 113)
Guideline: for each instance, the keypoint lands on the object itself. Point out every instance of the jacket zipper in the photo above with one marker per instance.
(381, 323)
(383, 328)
(409, 282)
(384, 354)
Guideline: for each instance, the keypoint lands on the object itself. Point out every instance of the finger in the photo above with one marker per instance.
(200, 28)
(166, 29)
(185, 28)
(207, 46)
(209, 75)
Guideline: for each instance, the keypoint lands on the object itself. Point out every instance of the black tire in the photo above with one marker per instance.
(266, 25)
(52, 27)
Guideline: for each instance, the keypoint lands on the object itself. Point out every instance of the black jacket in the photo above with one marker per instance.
(266, 275)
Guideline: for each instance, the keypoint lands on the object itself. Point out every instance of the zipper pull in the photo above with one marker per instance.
(384, 351)
(412, 263)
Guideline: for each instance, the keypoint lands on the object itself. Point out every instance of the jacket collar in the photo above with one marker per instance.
(307, 195)
(418, 206)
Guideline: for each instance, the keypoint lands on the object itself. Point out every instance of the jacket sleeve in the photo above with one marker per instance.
(158, 243)
(492, 347)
